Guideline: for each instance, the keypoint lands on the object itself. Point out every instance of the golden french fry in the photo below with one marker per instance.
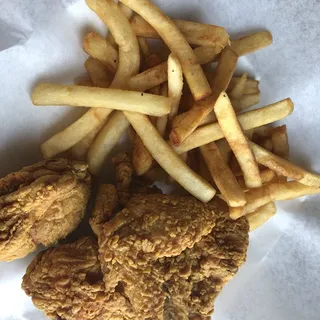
(280, 142)
(246, 101)
(99, 48)
(284, 167)
(163, 121)
(238, 90)
(184, 157)
(248, 120)
(259, 217)
(159, 73)
(224, 149)
(74, 133)
(115, 99)
(142, 160)
(101, 147)
(192, 118)
(196, 33)
(210, 118)
(222, 175)
(251, 86)
(98, 73)
(259, 197)
(168, 159)
(177, 44)
(175, 84)
(266, 144)
(80, 150)
(266, 175)
(144, 47)
(237, 140)
(251, 42)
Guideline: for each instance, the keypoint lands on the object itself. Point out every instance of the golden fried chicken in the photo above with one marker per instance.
(171, 254)
(66, 283)
(41, 204)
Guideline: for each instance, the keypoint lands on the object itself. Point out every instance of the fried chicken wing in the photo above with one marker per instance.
(40, 205)
(66, 283)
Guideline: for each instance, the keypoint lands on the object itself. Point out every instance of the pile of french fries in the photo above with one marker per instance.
(198, 131)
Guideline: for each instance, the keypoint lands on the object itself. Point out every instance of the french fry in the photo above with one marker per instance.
(237, 140)
(266, 175)
(102, 146)
(115, 99)
(210, 118)
(251, 43)
(263, 131)
(251, 86)
(98, 73)
(222, 175)
(280, 142)
(159, 73)
(284, 167)
(74, 133)
(248, 120)
(80, 150)
(144, 47)
(163, 121)
(192, 118)
(168, 159)
(238, 90)
(246, 101)
(196, 33)
(266, 144)
(177, 44)
(259, 217)
(184, 158)
(175, 84)
(142, 160)
(259, 197)
(99, 48)
(224, 149)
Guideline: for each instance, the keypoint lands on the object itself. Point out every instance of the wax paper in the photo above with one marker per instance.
(41, 40)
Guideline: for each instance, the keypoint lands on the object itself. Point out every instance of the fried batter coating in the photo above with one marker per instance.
(41, 204)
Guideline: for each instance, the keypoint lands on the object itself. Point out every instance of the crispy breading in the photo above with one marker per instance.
(66, 283)
(41, 204)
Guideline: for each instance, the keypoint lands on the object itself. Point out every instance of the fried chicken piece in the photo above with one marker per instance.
(41, 204)
(66, 283)
(150, 227)
(204, 269)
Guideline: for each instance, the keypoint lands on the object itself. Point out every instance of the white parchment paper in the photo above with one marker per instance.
(41, 40)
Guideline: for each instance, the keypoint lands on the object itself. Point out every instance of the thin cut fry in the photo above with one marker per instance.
(259, 217)
(220, 82)
(224, 149)
(251, 42)
(92, 119)
(80, 150)
(144, 47)
(163, 121)
(98, 73)
(177, 44)
(246, 101)
(280, 142)
(184, 157)
(142, 160)
(116, 99)
(266, 175)
(99, 48)
(175, 84)
(114, 129)
(284, 167)
(222, 175)
(196, 33)
(238, 90)
(259, 197)
(237, 140)
(251, 86)
(159, 73)
(169, 160)
(248, 120)
(210, 118)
